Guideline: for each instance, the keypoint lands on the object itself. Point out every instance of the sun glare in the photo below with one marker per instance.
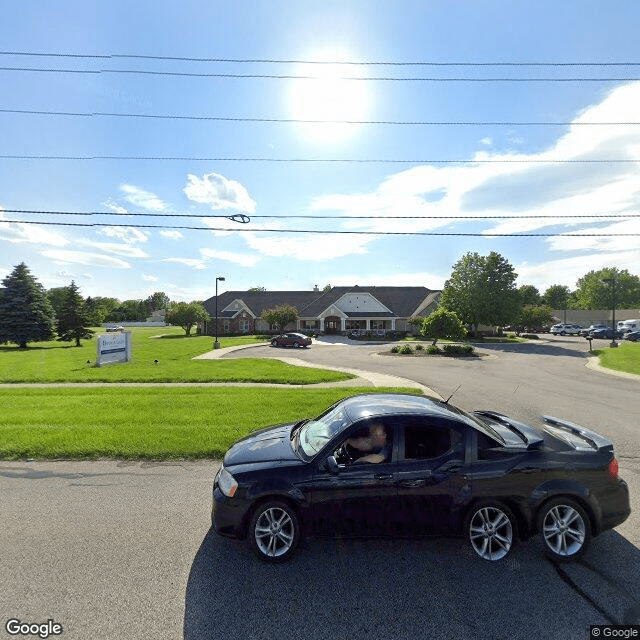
(326, 97)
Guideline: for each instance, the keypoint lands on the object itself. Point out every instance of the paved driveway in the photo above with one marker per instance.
(124, 550)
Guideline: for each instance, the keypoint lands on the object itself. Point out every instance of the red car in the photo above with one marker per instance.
(291, 340)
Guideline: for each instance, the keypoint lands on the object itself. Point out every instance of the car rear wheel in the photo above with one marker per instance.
(491, 530)
(296, 344)
(274, 531)
(565, 529)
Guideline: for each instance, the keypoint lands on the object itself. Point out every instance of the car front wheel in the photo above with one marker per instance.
(565, 529)
(274, 531)
(491, 530)
(274, 343)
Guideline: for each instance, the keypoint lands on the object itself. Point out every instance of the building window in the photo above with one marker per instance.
(243, 325)
(225, 326)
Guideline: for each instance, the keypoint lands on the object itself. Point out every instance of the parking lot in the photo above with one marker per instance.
(124, 549)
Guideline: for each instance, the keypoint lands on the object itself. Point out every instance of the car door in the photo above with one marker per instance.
(432, 486)
(355, 497)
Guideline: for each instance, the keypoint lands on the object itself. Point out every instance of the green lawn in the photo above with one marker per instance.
(60, 362)
(625, 358)
(147, 422)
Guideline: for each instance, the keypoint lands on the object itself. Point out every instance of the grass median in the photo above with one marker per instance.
(147, 422)
(626, 357)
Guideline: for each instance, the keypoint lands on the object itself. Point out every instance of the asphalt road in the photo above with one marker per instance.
(124, 550)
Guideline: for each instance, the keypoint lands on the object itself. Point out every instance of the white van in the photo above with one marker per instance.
(628, 325)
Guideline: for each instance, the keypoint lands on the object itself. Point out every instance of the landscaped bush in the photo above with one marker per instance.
(419, 347)
(395, 349)
(530, 336)
(432, 349)
(458, 349)
(406, 349)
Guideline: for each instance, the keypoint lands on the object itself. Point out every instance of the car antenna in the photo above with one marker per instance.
(451, 396)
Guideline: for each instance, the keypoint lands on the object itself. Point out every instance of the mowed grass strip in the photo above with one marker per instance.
(148, 423)
(624, 358)
(174, 352)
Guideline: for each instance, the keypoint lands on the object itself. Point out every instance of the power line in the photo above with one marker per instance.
(434, 123)
(419, 63)
(244, 218)
(327, 160)
(308, 77)
(330, 232)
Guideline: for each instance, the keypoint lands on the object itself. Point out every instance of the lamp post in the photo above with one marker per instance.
(612, 282)
(216, 344)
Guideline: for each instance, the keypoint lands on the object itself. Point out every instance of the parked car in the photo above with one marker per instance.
(435, 470)
(632, 336)
(291, 340)
(564, 329)
(608, 333)
(593, 327)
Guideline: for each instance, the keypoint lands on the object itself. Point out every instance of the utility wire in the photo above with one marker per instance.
(434, 123)
(307, 77)
(328, 160)
(422, 63)
(331, 232)
(244, 218)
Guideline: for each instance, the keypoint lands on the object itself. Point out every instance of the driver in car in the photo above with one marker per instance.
(375, 447)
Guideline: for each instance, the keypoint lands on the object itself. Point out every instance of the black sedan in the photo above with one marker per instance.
(632, 336)
(392, 464)
(607, 333)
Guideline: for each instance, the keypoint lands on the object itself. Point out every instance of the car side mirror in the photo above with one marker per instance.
(332, 465)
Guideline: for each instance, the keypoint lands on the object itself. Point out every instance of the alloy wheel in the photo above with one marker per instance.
(491, 532)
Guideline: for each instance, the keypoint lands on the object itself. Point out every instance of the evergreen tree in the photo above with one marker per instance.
(25, 312)
(73, 318)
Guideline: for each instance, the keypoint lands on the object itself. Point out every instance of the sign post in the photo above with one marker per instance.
(114, 347)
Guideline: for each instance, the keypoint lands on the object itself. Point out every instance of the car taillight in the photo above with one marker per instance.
(613, 468)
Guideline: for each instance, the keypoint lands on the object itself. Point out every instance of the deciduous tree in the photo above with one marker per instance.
(594, 292)
(186, 315)
(280, 316)
(441, 324)
(481, 290)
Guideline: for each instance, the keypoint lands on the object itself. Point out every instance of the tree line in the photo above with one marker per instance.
(29, 313)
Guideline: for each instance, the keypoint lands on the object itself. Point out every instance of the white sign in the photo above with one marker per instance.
(114, 347)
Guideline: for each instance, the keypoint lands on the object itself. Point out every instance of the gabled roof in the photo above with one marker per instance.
(403, 301)
(259, 301)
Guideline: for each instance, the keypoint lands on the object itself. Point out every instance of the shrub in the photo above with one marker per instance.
(530, 336)
(458, 349)
(419, 347)
(406, 349)
(432, 349)
(395, 349)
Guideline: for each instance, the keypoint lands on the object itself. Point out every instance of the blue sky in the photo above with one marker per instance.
(504, 170)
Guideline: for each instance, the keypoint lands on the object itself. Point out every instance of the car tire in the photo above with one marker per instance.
(296, 345)
(274, 343)
(274, 531)
(565, 529)
(562, 333)
(491, 530)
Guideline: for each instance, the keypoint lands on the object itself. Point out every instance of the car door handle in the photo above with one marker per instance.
(383, 476)
(412, 483)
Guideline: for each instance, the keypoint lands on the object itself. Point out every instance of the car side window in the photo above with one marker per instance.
(371, 443)
(425, 441)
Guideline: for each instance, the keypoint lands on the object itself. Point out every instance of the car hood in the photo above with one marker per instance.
(267, 445)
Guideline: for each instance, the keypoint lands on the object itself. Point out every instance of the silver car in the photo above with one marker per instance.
(564, 329)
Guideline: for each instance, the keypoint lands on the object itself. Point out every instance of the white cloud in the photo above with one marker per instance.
(243, 259)
(219, 193)
(87, 259)
(30, 233)
(171, 234)
(149, 278)
(119, 249)
(488, 141)
(188, 262)
(116, 208)
(130, 235)
(424, 279)
(141, 198)
(314, 247)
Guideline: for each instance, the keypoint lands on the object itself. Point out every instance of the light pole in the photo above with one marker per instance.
(612, 281)
(216, 344)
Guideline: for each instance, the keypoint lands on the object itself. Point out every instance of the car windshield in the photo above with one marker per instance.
(316, 433)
